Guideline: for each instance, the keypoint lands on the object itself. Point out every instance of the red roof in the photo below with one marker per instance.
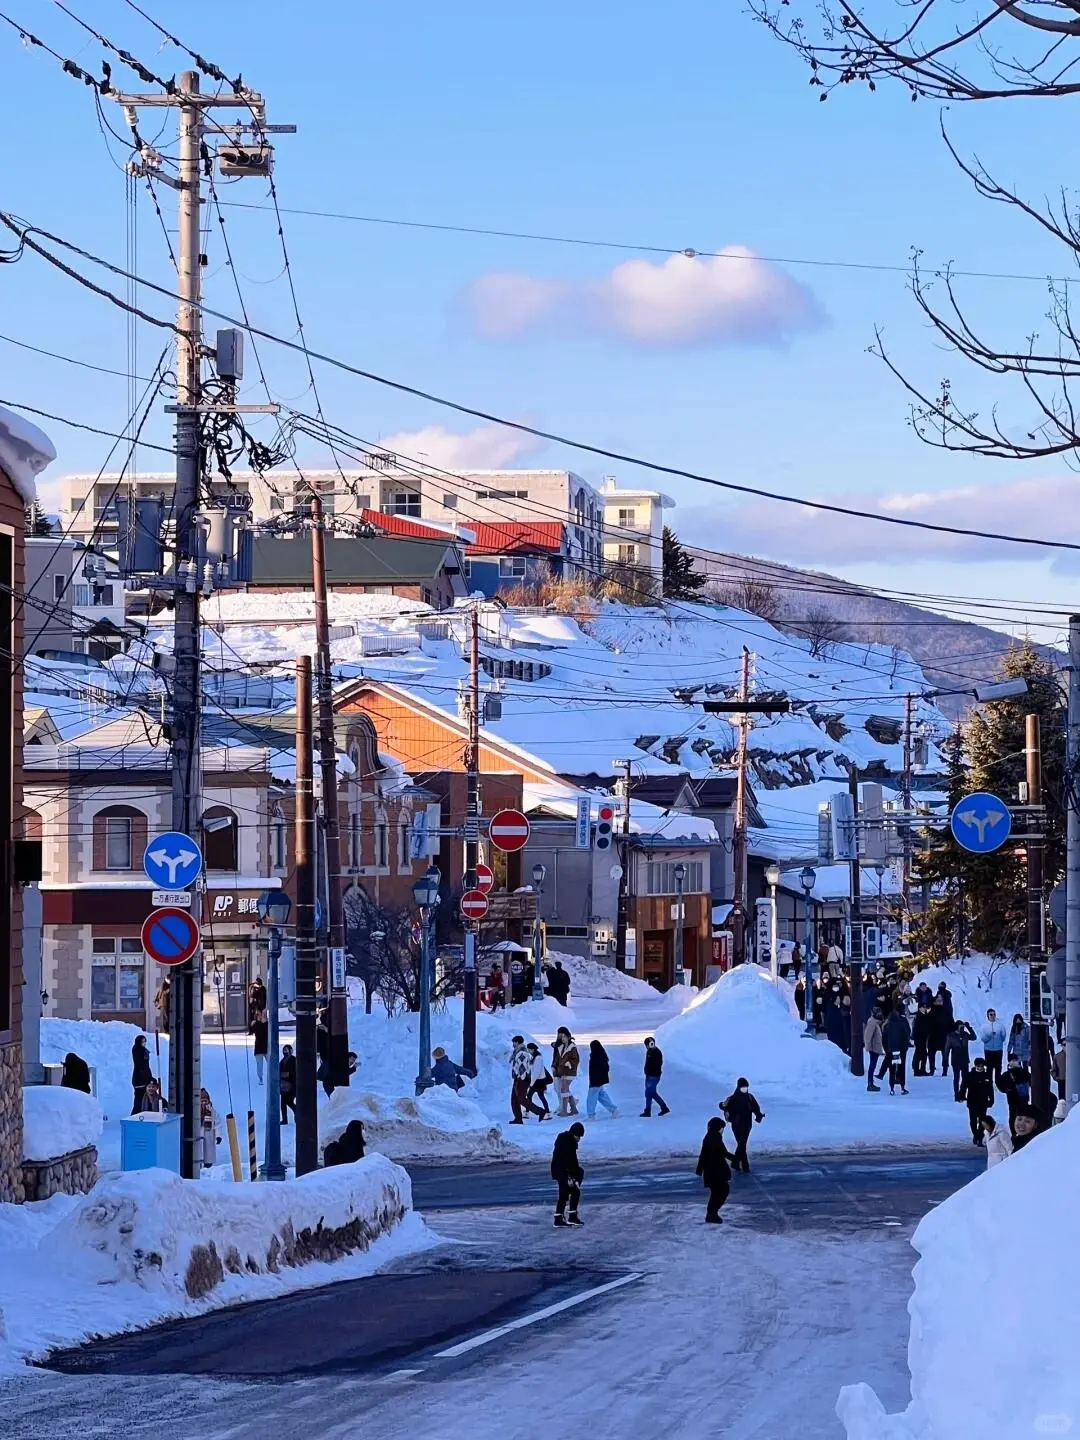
(516, 537)
(400, 525)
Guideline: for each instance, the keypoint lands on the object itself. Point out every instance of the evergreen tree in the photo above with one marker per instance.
(37, 522)
(681, 580)
(938, 861)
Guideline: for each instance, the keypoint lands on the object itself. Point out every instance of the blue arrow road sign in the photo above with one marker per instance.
(981, 822)
(172, 861)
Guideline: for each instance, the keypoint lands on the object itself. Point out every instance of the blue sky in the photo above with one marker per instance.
(629, 122)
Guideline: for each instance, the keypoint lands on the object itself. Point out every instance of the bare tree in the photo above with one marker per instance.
(754, 595)
(822, 628)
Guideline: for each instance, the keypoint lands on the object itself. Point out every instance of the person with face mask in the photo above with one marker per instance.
(742, 1110)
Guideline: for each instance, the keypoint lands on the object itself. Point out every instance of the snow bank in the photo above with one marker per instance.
(440, 1122)
(593, 980)
(747, 1025)
(57, 1121)
(105, 1045)
(979, 983)
(992, 1350)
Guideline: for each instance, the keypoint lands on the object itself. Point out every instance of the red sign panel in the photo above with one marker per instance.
(485, 878)
(509, 831)
(170, 935)
(474, 905)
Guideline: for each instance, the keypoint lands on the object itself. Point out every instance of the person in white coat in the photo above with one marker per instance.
(211, 1128)
(999, 1144)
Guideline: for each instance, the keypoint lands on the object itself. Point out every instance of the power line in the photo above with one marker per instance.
(68, 359)
(78, 424)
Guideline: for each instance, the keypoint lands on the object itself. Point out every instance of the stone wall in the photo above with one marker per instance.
(11, 1181)
(73, 1174)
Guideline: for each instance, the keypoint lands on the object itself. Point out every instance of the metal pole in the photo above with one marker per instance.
(307, 1105)
(472, 765)
(1040, 1032)
(335, 976)
(855, 958)
(905, 800)
(774, 936)
(538, 951)
(186, 1028)
(738, 841)
(1072, 876)
(423, 1073)
(273, 1169)
(808, 972)
(679, 889)
(623, 906)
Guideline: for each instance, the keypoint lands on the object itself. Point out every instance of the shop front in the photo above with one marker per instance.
(234, 954)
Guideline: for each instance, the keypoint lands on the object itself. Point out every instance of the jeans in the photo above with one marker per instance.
(598, 1096)
(288, 1102)
(652, 1093)
(872, 1061)
(918, 1065)
(959, 1078)
(260, 1067)
(520, 1098)
(975, 1118)
(568, 1190)
(538, 1091)
(993, 1063)
(742, 1160)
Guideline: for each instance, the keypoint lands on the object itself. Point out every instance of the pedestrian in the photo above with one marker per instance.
(1019, 1040)
(558, 984)
(654, 1067)
(742, 1110)
(565, 1062)
(1028, 1122)
(567, 1173)
(444, 1071)
(920, 1035)
(896, 1036)
(152, 1102)
(539, 1077)
(1015, 1085)
(998, 1142)
(256, 996)
(76, 1073)
(945, 995)
(818, 1003)
(141, 1074)
(599, 1079)
(800, 997)
(796, 959)
(875, 1046)
(260, 1029)
(287, 1083)
(992, 1036)
(496, 987)
(1058, 1068)
(163, 1004)
(520, 1082)
(210, 1129)
(980, 1096)
(348, 1147)
(960, 1038)
(324, 1073)
(714, 1167)
(923, 995)
(938, 1043)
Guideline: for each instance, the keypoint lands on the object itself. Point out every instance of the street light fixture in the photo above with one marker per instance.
(773, 876)
(272, 908)
(426, 895)
(678, 870)
(539, 874)
(808, 879)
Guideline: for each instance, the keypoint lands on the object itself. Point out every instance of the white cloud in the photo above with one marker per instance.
(732, 298)
(488, 447)
(1034, 506)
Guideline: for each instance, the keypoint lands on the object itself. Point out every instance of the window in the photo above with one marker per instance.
(627, 554)
(60, 584)
(220, 838)
(117, 842)
(511, 567)
(627, 519)
(277, 838)
(576, 932)
(449, 502)
(382, 843)
(82, 594)
(277, 502)
(103, 594)
(502, 494)
(79, 646)
(118, 975)
(355, 859)
(404, 861)
(403, 502)
(466, 569)
(363, 502)
(661, 877)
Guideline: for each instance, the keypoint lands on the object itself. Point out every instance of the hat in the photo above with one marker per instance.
(438, 1053)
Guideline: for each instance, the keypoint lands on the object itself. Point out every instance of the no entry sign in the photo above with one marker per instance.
(509, 831)
(474, 905)
(485, 878)
(170, 935)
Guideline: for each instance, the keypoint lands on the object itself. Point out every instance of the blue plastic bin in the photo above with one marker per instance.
(150, 1141)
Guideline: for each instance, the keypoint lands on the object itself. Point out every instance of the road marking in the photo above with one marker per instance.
(487, 1337)
(401, 1375)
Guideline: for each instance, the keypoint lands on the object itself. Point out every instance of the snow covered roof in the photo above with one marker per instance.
(833, 882)
(649, 823)
(24, 452)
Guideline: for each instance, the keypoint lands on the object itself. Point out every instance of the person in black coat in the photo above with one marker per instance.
(938, 1043)
(567, 1173)
(742, 1110)
(141, 1074)
(558, 983)
(654, 1067)
(1015, 1085)
(76, 1073)
(896, 1037)
(946, 999)
(959, 1042)
(348, 1147)
(920, 1034)
(715, 1170)
(980, 1096)
(287, 1083)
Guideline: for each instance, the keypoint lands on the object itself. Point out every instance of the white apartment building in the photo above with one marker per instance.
(634, 528)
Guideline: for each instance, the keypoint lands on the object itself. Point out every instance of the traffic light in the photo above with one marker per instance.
(605, 819)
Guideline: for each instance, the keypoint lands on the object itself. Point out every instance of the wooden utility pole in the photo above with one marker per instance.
(738, 847)
(905, 832)
(1036, 922)
(335, 956)
(472, 838)
(307, 1113)
(855, 955)
(623, 908)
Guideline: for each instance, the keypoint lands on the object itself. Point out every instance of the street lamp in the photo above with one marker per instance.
(539, 874)
(808, 879)
(273, 908)
(679, 872)
(772, 879)
(426, 895)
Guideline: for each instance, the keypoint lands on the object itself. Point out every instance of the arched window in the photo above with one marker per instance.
(356, 858)
(119, 833)
(221, 838)
(404, 863)
(31, 825)
(382, 841)
(278, 851)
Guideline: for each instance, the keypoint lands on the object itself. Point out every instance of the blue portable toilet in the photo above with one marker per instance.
(150, 1142)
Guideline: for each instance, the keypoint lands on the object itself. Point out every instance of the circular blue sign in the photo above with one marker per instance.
(981, 822)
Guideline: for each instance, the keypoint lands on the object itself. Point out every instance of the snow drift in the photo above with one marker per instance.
(747, 1025)
(979, 983)
(57, 1121)
(992, 1350)
(439, 1122)
(593, 980)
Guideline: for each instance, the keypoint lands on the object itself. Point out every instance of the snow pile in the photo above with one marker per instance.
(993, 1339)
(24, 452)
(747, 1025)
(593, 980)
(439, 1122)
(57, 1121)
(105, 1045)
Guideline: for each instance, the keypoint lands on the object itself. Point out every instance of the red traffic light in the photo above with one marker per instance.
(606, 813)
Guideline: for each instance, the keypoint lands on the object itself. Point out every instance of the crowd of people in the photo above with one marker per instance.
(531, 1075)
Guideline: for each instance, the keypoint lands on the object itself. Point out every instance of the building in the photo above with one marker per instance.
(24, 453)
(522, 553)
(634, 529)
(68, 609)
(414, 569)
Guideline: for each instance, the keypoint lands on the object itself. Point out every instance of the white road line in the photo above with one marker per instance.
(401, 1375)
(487, 1337)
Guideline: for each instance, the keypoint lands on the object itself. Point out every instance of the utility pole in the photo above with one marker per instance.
(1036, 922)
(856, 955)
(307, 1113)
(622, 911)
(472, 838)
(905, 833)
(1072, 876)
(738, 846)
(335, 969)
